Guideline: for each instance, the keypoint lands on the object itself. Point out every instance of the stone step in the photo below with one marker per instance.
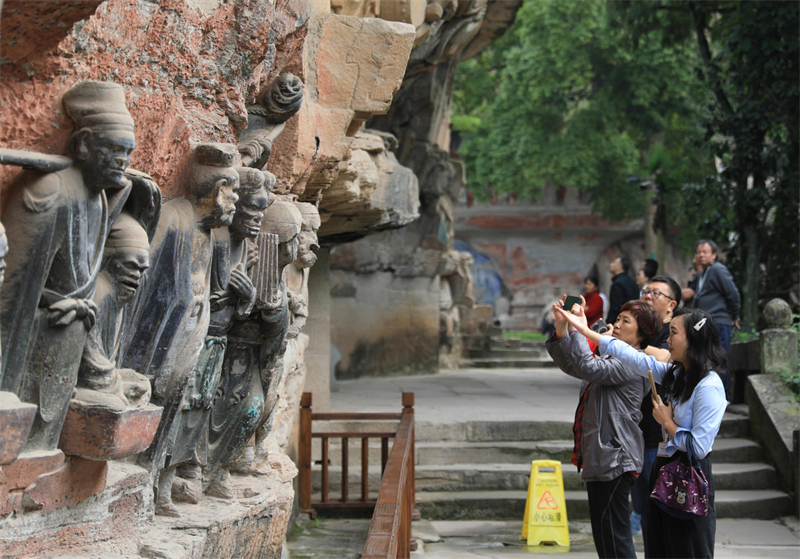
(734, 425)
(732, 450)
(509, 353)
(446, 453)
(510, 505)
(515, 343)
(507, 363)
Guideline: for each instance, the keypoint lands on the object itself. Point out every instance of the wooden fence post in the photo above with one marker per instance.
(305, 455)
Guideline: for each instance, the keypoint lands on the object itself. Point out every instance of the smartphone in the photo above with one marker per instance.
(570, 301)
(600, 326)
(652, 381)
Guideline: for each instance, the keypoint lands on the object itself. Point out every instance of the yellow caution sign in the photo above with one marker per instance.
(545, 521)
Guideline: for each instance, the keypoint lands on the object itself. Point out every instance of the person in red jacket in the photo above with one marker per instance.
(594, 303)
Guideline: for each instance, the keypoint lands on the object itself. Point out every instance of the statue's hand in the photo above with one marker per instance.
(67, 311)
(242, 285)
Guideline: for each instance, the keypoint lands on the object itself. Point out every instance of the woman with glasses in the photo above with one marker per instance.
(692, 415)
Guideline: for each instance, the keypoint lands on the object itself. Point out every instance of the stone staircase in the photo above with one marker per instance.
(487, 477)
(510, 353)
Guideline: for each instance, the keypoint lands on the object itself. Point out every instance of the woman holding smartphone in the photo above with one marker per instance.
(608, 442)
(695, 405)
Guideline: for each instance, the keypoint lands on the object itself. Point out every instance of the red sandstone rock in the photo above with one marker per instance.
(72, 483)
(16, 419)
(100, 433)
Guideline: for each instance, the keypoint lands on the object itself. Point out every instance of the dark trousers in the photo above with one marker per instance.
(668, 536)
(725, 333)
(640, 493)
(610, 514)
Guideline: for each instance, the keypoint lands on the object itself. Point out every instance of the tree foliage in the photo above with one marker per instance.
(588, 93)
(569, 96)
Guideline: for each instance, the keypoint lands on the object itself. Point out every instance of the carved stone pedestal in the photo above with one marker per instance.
(43, 481)
(66, 518)
(16, 419)
(99, 432)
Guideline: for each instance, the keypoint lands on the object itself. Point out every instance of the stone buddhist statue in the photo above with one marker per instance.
(268, 119)
(125, 259)
(297, 273)
(57, 228)
(171, 316)
(253, 346)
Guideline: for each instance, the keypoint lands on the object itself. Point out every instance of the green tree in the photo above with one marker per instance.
(749, 54)
(569, 96)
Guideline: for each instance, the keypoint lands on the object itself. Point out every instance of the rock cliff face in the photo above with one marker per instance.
(193, 74)
(410, 285)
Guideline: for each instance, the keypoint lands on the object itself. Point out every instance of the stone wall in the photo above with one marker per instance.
(538, 251)
(421, 256)
(205, 82)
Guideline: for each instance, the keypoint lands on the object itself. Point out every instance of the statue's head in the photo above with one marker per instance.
(213, 184)
(284, 98)
(308, 242)
(254, 189)
(284, 219)
(126, 255)
(3, 252)
(103, 139)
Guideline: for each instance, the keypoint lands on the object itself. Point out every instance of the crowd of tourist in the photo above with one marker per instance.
(628, 436)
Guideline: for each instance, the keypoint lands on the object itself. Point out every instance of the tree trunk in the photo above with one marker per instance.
(749, 309)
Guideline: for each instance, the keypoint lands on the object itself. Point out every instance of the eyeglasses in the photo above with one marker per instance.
(653, 294)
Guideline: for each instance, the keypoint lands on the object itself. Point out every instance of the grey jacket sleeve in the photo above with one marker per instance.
(556, 351)
(582, 364)
(723, 282)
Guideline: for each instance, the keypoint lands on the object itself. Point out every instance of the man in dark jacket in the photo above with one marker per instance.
(623, 288)
(715, 292)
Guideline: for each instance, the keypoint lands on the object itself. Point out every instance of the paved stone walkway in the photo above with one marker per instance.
(453, 397)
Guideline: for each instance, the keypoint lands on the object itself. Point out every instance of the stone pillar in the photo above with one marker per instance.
(318, 327)
(778, 340)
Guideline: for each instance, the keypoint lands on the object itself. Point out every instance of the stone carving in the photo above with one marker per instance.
(171, 317)
(16, 417)
(233, 297)
(253, 347)
(267, 120)
(297, 273)
(57, 228)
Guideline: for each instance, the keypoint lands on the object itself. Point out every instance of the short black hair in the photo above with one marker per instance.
(592, 278)
(650, 267)
(712, 244)
(626, 264)
(674, 288)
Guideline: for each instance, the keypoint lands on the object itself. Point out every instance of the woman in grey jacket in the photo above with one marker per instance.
(608, 442)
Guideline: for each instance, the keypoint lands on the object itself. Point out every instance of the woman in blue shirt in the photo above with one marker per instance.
(695, 405)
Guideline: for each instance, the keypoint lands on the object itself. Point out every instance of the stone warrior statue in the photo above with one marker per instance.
(267, 120)
(253, 346)
(57, 229)
(171, 314)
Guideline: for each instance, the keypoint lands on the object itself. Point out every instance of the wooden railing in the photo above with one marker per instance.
(390, 530)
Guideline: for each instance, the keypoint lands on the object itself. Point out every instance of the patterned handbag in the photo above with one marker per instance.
(681, 489)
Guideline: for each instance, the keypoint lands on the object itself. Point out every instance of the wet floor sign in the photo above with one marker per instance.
(545, 521)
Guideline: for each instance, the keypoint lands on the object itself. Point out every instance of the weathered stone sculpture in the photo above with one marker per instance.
(16, 417)
(57, 227)
(171, 317)
(267, 120)
(297, 273)
(253, 346)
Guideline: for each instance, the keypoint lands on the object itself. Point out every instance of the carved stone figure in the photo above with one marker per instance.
(16, 417)
(125, 259)
(171, 316)
(297, 273)
(267, 120)
(57, 228)
(253, 346)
